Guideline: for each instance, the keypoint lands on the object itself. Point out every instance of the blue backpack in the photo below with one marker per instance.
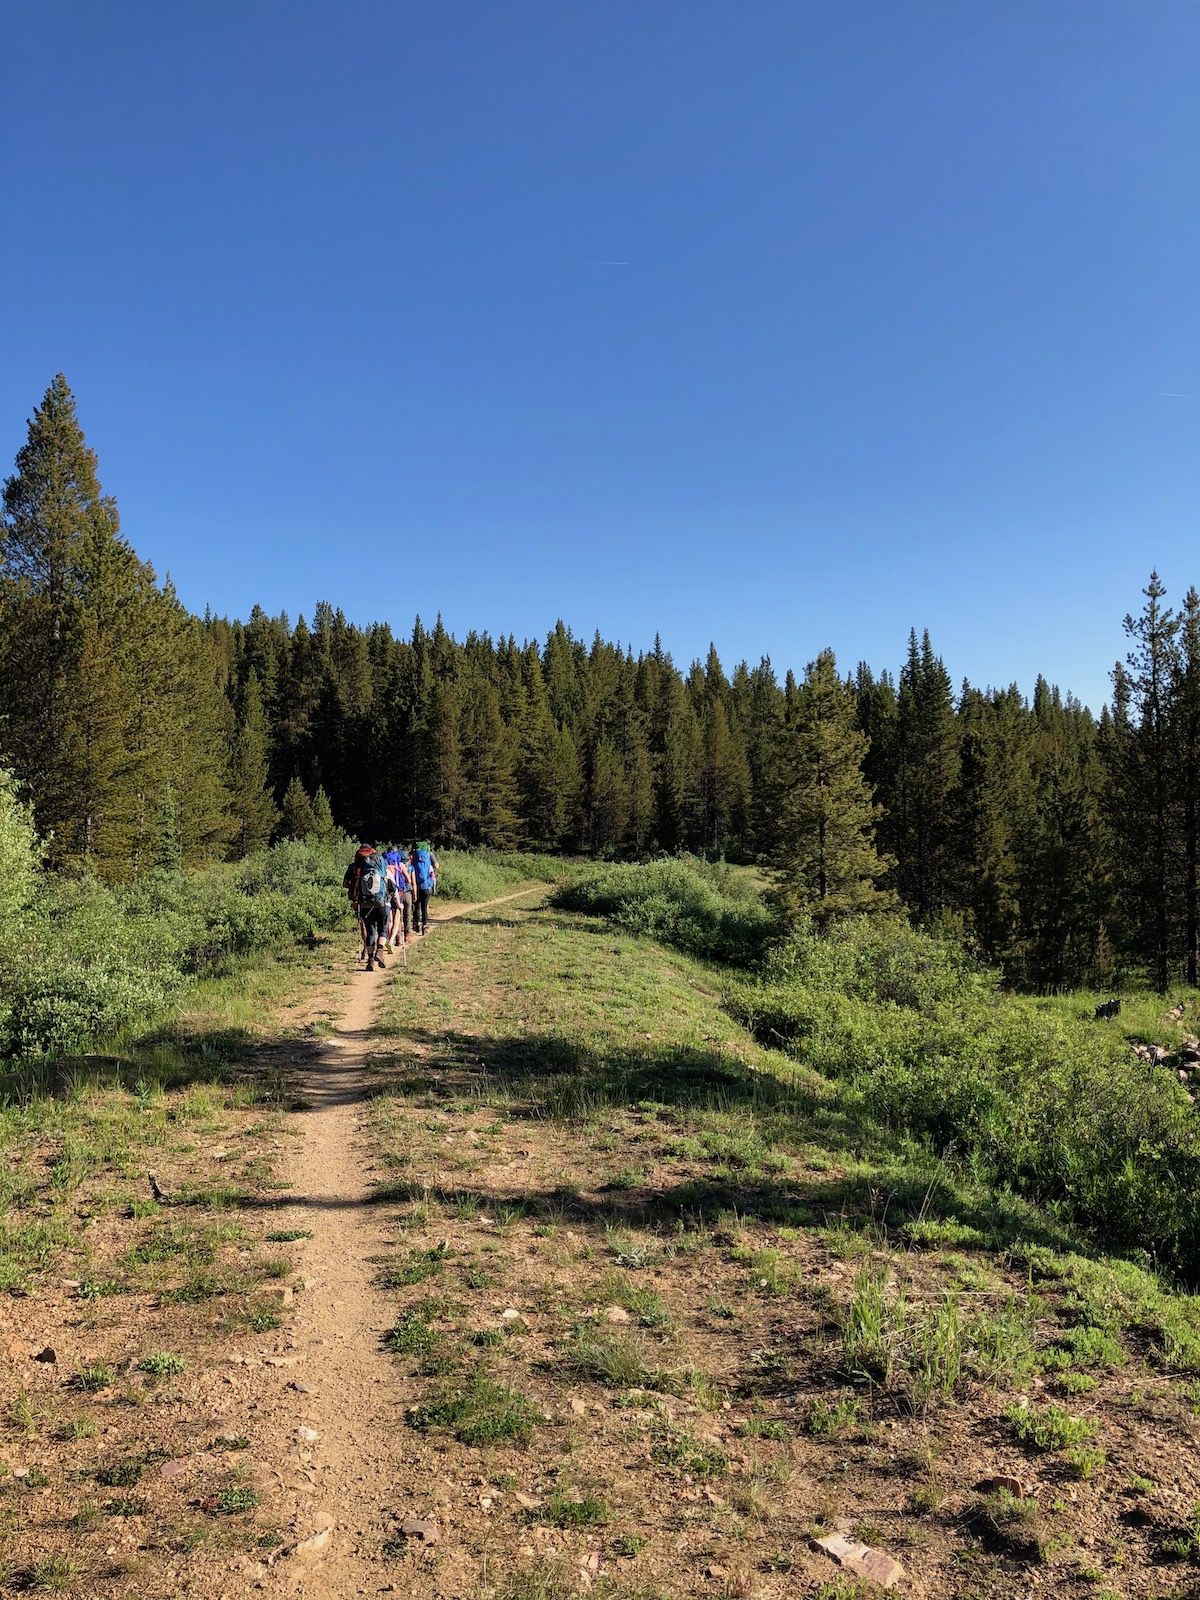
(423, 866)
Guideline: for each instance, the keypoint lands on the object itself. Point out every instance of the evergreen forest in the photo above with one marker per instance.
(1060, 845)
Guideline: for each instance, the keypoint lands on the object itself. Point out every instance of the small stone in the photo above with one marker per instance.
(418, 1528)
(579, 1407)
(299, 1388)
(861, 1559)
(615, 1314)
(307, 1435)
(48, 1355)
(1006, 1481)
(510, 1315)
(281, 1361)
(316, 1545)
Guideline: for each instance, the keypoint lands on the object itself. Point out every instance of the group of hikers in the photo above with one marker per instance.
(389, 890)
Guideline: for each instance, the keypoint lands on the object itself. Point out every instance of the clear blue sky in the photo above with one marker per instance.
(770, 322)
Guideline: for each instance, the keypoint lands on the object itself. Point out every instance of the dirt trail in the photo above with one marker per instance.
(344, 1487)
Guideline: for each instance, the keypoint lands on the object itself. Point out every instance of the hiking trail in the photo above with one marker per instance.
(331, 1418)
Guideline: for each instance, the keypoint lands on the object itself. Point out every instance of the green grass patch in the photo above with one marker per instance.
(479, 1411)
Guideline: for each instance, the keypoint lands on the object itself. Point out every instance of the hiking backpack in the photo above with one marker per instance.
(372, 881)
(423, 867)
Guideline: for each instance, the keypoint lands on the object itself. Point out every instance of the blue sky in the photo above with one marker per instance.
(776, 324)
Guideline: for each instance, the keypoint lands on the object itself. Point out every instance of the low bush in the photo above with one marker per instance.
(698, 906)
(88, 964)
(1025, 1097)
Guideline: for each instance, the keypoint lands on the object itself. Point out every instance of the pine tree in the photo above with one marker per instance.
(1152, 667)
(986, 813)
(195, 734)
(54, 518)
(440, 764)
(1184, 774)
(757, 716)
(254, 810)
(324, 829)
(296, 821)
(921, 830)
(608, 808)
(489, 794)
(640, 792)
(679, 762)
(722, 775)
(826, 861)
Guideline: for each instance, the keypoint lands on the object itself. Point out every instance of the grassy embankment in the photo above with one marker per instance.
(732, 1302)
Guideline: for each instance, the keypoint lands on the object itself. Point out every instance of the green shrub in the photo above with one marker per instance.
(1028, 1097)
(86, 964)
(698, 906)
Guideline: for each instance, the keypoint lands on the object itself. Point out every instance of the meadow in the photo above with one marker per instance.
(704, 1243)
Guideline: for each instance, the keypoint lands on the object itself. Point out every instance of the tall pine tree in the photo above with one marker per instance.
(826, 860)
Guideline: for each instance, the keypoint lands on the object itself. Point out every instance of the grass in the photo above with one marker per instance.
(677, 1447)
(479, 1411)
(53, 1575)
(831, 1419)
(568, 1509)
(162, 1364)
(1048, 1428)
(617, 1359)
(92, 1379)
(235, 1501)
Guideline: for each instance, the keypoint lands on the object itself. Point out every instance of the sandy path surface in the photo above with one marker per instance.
(330, 1414)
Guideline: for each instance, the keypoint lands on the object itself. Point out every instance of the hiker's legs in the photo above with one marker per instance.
(374, 923)
(422, 910)
(406, 911)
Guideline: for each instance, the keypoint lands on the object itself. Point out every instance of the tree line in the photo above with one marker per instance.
(1063, 846)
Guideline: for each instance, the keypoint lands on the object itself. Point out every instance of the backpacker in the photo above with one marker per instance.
(423, 867)
(372, 881)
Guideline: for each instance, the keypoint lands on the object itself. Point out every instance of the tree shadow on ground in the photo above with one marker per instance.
(883, 1181)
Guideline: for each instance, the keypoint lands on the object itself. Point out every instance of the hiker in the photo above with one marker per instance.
(366, 882)
(349, 883)
(389, 932)
(425, 870)
(400, 872)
